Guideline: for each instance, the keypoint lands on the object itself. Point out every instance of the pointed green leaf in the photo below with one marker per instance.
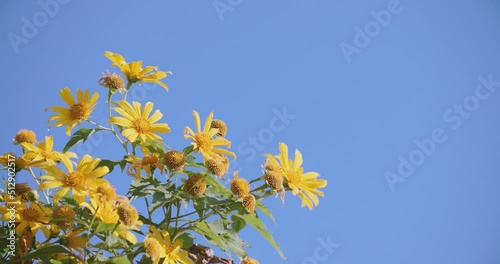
(102, 227)
(259, 205)
(217, 186)
(237, 223)
(81, 135)
(109, 163)
(48, 250)
(119, 260)
(262, 229)
(213, 238)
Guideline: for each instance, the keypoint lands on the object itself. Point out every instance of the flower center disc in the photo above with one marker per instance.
(73, 179)
(77, 112)
(203, 141)
(30, 214)
(142, 125)
(149, 160)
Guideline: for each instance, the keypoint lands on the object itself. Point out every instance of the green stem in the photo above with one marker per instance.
(129, 84)
(147, 207)
(109, 106)
(38, 182)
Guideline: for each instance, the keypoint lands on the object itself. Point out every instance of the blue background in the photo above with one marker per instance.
(352, 119)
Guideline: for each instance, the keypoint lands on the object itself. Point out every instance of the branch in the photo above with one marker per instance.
(205, 255)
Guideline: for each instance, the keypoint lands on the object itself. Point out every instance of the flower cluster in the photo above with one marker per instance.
(173, 194)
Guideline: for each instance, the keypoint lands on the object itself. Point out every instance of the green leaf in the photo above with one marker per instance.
(229, 237)
(199, 206)
(204, 229)
(123, 163)
(161, 196)
(262, 229)
(103, 227)
(237, 223)
(109, 163)
(119, 260)
(217, 186)
(81, 135)
(236, 244)
(187, 150)
(259, 205)
(56, 220)
(154, 146)
(48, 250)
(187, 239)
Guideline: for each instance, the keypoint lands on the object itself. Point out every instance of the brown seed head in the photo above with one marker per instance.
(63, 211)
(112, 81)
(249, 202)
(219, 124)
(195, 185)
(274, 180)
(25, 135)
(174, 160)
(239, 186)
(128, 214)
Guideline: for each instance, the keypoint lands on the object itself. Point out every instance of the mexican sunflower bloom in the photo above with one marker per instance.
(80, 181)
(78, 110)
(110, 213)
(137, 122)
(167, 250)
(43, 153)
(134, 71)
(305, 185)
(34, 216)
(204, 141)
(148, 163)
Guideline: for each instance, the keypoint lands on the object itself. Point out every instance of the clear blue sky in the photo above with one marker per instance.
(356, 112)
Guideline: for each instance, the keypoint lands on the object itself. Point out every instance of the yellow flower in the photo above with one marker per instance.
(20, 163)
(105, 191)
(204, 141)
(104, 210)
(80, 180)
(73, 241)
(305, 185)
(43, 153)
(169, 251)
(109, 213)
(77, 111)
(35, 216)
(148, 163)
(134, 71)
(137, 122)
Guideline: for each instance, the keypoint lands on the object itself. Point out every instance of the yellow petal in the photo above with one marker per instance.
(67, 97)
